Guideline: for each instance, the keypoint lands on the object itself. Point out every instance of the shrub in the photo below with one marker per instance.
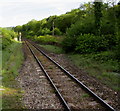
(7, 36)
(5, 42)
(88, 43)
(46, 39)
(57, 31)
(31, 33)
(112, 41)
(8, 33)
(69, 44)
(45, 31)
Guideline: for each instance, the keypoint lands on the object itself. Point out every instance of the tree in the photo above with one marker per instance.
(98, 15)
(57, 31)
(18, 28)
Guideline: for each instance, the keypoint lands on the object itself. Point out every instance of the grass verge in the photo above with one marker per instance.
(52, 48)
(12, 58)
(102, 66)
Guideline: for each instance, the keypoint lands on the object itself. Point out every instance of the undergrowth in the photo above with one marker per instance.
(47, 39)
(53, 48)
(102, 66)
(12, 58)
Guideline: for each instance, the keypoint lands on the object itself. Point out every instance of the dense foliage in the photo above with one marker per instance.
(7, 36)
(87, 36)
(93, 27)
(58, 24)
(46, 39)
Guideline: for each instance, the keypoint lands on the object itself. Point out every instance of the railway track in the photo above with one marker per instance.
(72, 92)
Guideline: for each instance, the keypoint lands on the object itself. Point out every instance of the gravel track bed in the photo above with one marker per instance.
(76, 97)
(38, 93)
(106, 93)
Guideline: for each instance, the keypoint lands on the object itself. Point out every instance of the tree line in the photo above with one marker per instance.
(93, 27)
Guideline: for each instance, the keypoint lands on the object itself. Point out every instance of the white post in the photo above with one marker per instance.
(20, 36)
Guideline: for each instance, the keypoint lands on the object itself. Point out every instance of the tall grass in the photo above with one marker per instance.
(12, 58)
(102, 66)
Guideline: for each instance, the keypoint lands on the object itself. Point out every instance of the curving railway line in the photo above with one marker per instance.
(72, 93)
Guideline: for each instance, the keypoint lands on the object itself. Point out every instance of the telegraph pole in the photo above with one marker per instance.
(53, 28)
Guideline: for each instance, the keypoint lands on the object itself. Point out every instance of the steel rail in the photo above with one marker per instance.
(48, 77)
(100, 100)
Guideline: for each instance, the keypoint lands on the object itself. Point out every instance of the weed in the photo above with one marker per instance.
(85, 96)
(50, 67)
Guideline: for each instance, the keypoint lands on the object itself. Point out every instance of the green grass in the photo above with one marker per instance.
(12, 58)
(102, 65)
(53, 48)
(85, 95)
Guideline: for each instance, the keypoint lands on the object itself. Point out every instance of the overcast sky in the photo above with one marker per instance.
(19, 12)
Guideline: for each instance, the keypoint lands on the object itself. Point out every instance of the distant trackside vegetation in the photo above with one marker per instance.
(12, 58)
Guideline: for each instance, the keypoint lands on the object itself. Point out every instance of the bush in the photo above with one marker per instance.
(5, 42)
(88, 43)
(8, 33)
(112, 41)
(69, 44)
(30, 33)
(57, 31)
(7, 36)
(45, 31)
(46, 39)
